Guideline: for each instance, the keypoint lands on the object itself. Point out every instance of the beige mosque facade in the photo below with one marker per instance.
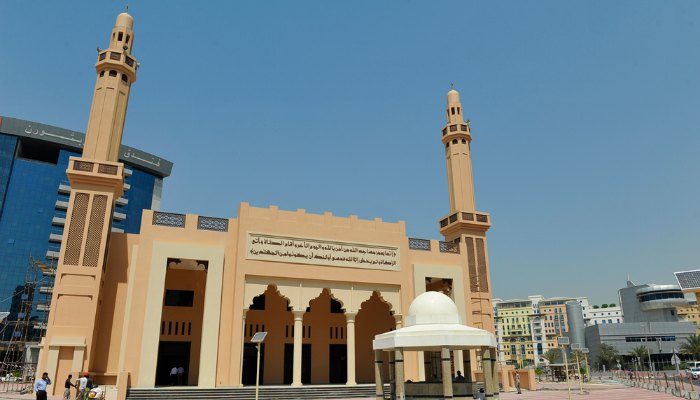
(191, 290)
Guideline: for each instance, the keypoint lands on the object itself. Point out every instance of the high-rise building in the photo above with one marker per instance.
(34, 193)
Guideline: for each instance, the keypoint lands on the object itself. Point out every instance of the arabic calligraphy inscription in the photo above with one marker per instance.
(320, 252)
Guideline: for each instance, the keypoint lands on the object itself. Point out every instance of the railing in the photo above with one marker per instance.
(212, 224)
(464, 216)
(449, 247)
(454, 128)
(169, 219)
(424, 245)
(418, 244)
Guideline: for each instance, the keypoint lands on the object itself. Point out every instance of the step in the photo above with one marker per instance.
(248, 392)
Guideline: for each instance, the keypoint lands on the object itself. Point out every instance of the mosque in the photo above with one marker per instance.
(191, 290)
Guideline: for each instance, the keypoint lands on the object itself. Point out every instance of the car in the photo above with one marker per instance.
(694, 372)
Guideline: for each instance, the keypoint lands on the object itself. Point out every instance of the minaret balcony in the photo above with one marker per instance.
(460, 220)
(464, 129)
(110, 58)
(103, 173)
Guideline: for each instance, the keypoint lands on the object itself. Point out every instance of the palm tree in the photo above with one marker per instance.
(691, 346)
(607, 355)
(640, 353)
(551, 355)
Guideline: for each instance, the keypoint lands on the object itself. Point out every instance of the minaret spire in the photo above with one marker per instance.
(456, 136)
(116, 71)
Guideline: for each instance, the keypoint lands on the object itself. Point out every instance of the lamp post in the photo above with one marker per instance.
(651, 366)
(563, 341)
(258, 339)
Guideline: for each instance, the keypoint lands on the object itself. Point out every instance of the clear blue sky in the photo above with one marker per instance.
(584, 117)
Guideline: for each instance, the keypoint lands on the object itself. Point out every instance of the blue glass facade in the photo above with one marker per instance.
(7, 152)
(35, 196)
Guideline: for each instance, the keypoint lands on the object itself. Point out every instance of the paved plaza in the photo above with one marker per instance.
(549, 392)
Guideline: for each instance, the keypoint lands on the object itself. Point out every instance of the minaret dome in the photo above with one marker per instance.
(454, 108)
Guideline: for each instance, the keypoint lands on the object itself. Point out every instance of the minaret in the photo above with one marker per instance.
(116, 71)
(97, 180)
(464, 223)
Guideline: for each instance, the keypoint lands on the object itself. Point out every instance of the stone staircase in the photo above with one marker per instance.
(248, 392)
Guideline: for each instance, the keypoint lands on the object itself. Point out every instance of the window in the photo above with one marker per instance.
(179, 298)
(125, 78)
(120, 36)
(112, 73)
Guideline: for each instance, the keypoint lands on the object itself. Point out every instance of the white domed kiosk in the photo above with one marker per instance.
(433, 324)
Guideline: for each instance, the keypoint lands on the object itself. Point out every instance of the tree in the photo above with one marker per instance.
(612, 305)
(552, 355)
(640, 353)
(691, 346)
(596, 307)
(608, 355)
(604, 306)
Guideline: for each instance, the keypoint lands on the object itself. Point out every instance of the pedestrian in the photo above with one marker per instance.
(173, 376)
(82, 387)
(40, 386)
(517, 382)
(480, 395)
(180, 376)
(459, 377)
(67, 386)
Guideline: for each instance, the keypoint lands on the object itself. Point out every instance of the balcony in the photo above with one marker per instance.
(58, 221)
(119, 216)
(128, 171)
(64, 188)
(121, 201)
(117, 230)
(46, 289)
(475, 221)
(61, 205)
(52, 255)
(55, 237)
(43, 307)
(127, 186)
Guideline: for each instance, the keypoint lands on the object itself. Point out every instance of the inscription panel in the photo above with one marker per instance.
(300, 250)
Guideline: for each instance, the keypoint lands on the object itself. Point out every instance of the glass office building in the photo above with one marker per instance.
(34, 193)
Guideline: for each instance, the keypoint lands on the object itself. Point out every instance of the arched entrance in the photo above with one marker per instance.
(374, 317)
(269, 312)
(326, 335)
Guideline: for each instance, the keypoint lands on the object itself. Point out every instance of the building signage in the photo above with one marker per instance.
(321, 252)
(76, 141)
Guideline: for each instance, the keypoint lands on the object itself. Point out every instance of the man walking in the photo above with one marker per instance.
(517, 382)
(40, 386)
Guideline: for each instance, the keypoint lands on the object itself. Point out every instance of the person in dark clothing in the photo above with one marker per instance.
(68, 385)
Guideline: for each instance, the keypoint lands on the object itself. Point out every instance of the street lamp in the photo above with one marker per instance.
(258, 339)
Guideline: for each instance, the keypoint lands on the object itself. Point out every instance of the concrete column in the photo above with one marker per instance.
(459, 361)
(488, 371)
(446, 373)
(398, 363)
(398, 318)
(298, 333)
(351, 347)
(378, 381)
(240, 370)
(392, 367)
(421, 366)
(494, 374)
